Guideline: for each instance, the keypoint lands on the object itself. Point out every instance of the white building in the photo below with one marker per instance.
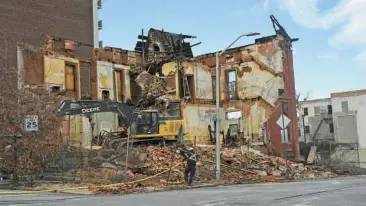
(349, 111)
(310, 118)
(346, 112)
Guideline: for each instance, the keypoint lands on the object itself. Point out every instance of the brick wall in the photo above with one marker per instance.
(23, 21)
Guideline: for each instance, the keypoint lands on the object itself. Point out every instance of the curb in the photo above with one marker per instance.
(83, 194)
(205, 186)
(71, 193)
(20, 188)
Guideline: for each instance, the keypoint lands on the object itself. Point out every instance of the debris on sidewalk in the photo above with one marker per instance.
(238, 165)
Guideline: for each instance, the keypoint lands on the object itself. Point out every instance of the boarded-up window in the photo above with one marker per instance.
(33, 68)
(119, 86)
(317, 110)
(347, 129)
(345, 106)
(70, 77)
(85, 83)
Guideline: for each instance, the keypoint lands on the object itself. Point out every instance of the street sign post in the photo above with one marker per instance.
(283, 121)
(284, 136)
(31, 123)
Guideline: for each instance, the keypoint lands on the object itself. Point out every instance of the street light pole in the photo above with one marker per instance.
(218, 54)
(218, 164)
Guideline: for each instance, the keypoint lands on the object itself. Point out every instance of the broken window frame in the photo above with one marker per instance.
(307, 129)
(118, 85)
(236, 117)
(156, 48)
(330, 109)
(231, 84)
(173, 112)
(305, 111)
(55, 89)
(104, 96)
(67, 86)
(331, 127)
(213, 81)
(344, 106)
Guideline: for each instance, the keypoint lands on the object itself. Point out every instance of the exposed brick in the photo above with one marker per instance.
(23, 22)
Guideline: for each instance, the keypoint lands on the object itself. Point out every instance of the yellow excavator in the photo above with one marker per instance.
(143, 125)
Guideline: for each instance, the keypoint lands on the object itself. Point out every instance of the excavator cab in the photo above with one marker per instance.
(147, 123)
(155, 123)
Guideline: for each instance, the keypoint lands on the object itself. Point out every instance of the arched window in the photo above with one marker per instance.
(156, 48)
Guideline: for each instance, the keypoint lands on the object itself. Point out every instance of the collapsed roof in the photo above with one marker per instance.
(162, 43)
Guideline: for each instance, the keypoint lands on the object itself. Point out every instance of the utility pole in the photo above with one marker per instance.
(303, 126)
(284, 132)
(15, 159)
(218, 163)
(218, 54)
(143, 48)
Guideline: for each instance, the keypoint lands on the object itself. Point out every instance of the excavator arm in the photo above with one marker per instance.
(77, 107)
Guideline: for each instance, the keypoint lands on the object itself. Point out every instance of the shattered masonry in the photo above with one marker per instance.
(163, 67)
(251, 79)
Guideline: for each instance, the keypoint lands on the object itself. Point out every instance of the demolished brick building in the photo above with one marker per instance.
(257, 80)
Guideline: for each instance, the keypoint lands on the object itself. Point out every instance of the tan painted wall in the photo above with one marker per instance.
(106, 81)
(258, 83)
(105, 78)
(203, 82)
(54, 74)
(196, 121)
(258, 74)
(202, 78)
(54, 71)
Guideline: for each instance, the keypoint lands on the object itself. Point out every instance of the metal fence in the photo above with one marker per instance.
(330, 153)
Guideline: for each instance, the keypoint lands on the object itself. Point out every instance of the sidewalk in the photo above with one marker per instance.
(6, 189)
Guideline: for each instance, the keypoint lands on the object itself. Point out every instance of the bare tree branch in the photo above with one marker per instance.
(34, 148)
(302, 97)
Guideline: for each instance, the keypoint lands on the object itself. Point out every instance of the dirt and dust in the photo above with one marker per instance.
(239, 165)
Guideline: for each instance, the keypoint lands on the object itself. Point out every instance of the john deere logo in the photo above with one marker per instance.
(94, 109)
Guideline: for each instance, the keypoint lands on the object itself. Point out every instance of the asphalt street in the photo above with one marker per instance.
(343, 191)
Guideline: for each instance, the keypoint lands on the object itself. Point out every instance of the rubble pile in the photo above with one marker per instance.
(254, 166)
(238, 165)
(152, 87)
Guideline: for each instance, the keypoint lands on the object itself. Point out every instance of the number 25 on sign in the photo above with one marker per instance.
(31, 123)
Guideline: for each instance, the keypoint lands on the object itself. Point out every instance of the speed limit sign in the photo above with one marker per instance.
(31, 123)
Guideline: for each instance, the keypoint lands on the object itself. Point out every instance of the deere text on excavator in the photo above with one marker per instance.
(153, 124)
